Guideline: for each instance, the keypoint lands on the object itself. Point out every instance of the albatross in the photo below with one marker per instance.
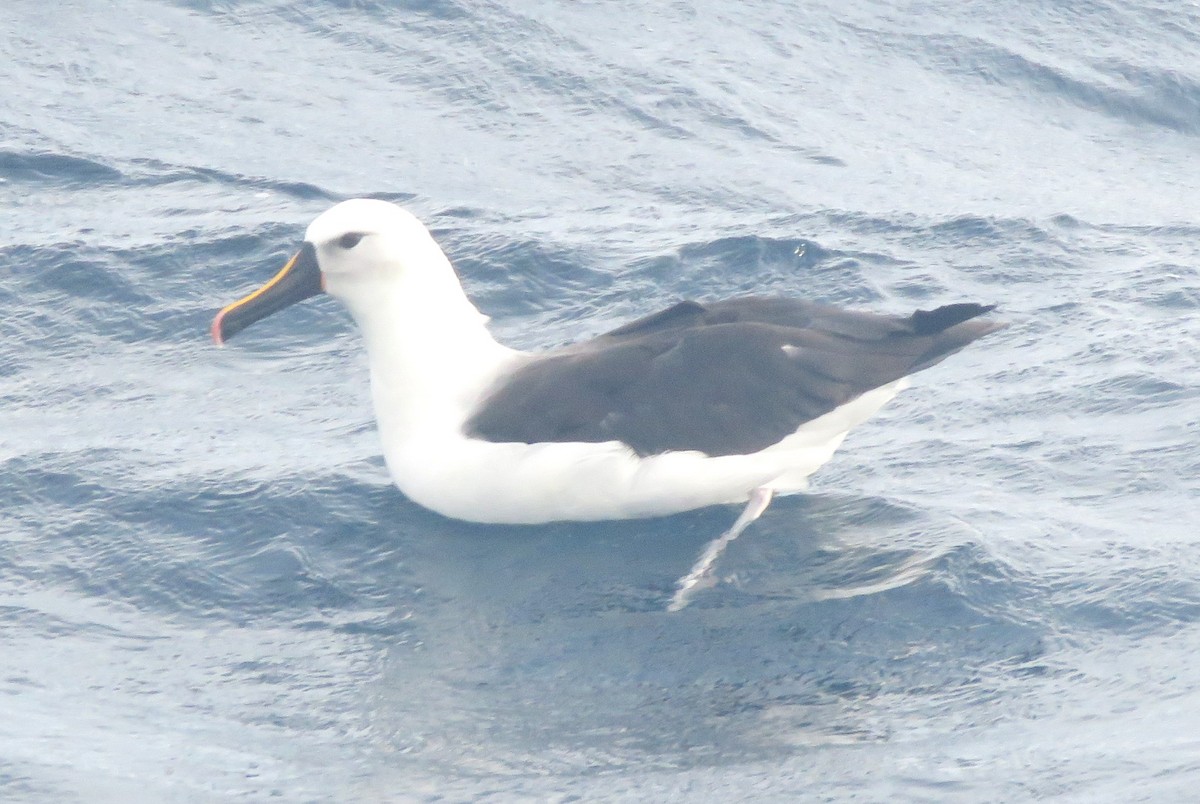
(726, 402)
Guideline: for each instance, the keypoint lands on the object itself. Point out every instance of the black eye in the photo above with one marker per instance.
(350, 239)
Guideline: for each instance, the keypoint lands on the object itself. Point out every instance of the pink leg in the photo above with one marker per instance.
(701, 575)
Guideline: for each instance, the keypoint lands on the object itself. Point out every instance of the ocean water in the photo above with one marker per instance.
(210, 592)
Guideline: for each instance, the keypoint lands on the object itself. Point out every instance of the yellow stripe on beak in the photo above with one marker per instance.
(297, 280)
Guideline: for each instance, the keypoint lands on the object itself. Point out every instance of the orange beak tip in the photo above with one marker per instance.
(215, 330)
(299, 279)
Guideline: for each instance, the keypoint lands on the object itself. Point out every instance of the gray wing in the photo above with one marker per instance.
(725, 378)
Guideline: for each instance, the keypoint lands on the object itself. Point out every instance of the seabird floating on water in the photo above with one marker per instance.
(700, 404)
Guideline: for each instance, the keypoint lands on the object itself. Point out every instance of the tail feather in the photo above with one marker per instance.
(931, 322)
(952, 327)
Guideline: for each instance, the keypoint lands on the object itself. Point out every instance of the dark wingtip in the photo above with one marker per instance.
(951, 328)
(931, 322)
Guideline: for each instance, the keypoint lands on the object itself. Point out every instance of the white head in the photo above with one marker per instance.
(369, 249)
(376, 258)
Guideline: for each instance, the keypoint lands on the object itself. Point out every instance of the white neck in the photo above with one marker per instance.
(430, 353)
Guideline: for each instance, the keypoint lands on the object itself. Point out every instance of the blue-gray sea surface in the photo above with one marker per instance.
(209, 591)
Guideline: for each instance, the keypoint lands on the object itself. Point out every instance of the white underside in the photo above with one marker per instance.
(514, 483)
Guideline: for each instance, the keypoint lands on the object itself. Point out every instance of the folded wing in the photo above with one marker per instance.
(726, 378)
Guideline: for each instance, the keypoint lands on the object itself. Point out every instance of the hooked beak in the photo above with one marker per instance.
(298, 280)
